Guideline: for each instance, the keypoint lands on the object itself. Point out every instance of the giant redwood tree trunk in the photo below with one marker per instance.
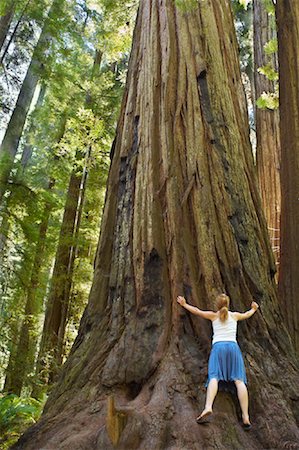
(267, 127)
(182, 215)
(288, 41)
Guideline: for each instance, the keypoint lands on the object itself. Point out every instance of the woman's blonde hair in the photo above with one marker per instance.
(222, 302)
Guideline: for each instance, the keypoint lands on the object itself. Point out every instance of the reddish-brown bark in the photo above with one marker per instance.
(288, 41)
(267, 127)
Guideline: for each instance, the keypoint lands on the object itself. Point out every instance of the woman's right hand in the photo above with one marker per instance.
(181, 300)
(254, 306)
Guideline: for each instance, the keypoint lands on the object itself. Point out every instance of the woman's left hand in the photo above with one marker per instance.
(254, 306)
(181, 300)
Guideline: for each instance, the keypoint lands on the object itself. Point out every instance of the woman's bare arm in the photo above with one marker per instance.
(247, 314)
(211, 315)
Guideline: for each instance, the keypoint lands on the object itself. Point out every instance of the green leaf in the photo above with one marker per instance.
(271, 46)
(269, 72)
(269, 6)
(268, 100)
(244, 3)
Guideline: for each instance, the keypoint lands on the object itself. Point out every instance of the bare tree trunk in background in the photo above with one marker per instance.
(70, 271)
(52, 343)
(13, 33)
(267, 128)
(28, 147)
(5, 22)
(50, 353)
(182, 215)
(288, 41)
(26, 155)
(9, 146)
(23, 358)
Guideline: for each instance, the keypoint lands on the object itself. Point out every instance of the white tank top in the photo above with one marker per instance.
(225, 331)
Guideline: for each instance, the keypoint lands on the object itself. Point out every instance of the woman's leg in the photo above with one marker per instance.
(243, 399)
(211, 394)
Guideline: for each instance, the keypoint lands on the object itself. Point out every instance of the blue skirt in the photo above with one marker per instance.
(226, 362)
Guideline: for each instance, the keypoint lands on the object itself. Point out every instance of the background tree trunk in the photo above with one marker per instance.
(24, 356)
(16, 124)
(26, 155)
(9, 146)
(267, 127)
(288, 41)
(5, 22)
(50, 353)
(52, 343)
(182, 215)
(28, 147)
(13, 33)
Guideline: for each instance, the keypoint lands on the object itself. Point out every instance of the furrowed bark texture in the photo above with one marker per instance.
(182, 215)
(288, 41)
(267, 127)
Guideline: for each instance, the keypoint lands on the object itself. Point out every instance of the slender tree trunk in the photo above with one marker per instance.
(52, 343)
(23, 358)
(5, 22)
(50, 353)
(28, 147)
(288, 41)
(182, 214)
(26, 155)
(9, 146)
(16, 124)
(14, 31)
(70, 271)
(267, 128)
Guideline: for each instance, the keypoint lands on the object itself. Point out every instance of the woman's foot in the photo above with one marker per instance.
(246, 422)
(202, 417)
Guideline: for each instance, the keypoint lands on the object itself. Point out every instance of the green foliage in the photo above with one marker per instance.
(244, 3)
(78, 113)
(268, 100)
(16, 414)
(269, 6)
(271, 46)
(269, 72)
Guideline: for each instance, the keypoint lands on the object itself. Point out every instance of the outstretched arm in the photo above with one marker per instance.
(247, 314)
(211, 315)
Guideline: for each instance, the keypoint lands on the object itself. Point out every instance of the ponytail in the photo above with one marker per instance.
(222, 306)
(223, 313)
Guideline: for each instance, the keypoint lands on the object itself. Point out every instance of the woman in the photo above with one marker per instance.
(226, 361)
